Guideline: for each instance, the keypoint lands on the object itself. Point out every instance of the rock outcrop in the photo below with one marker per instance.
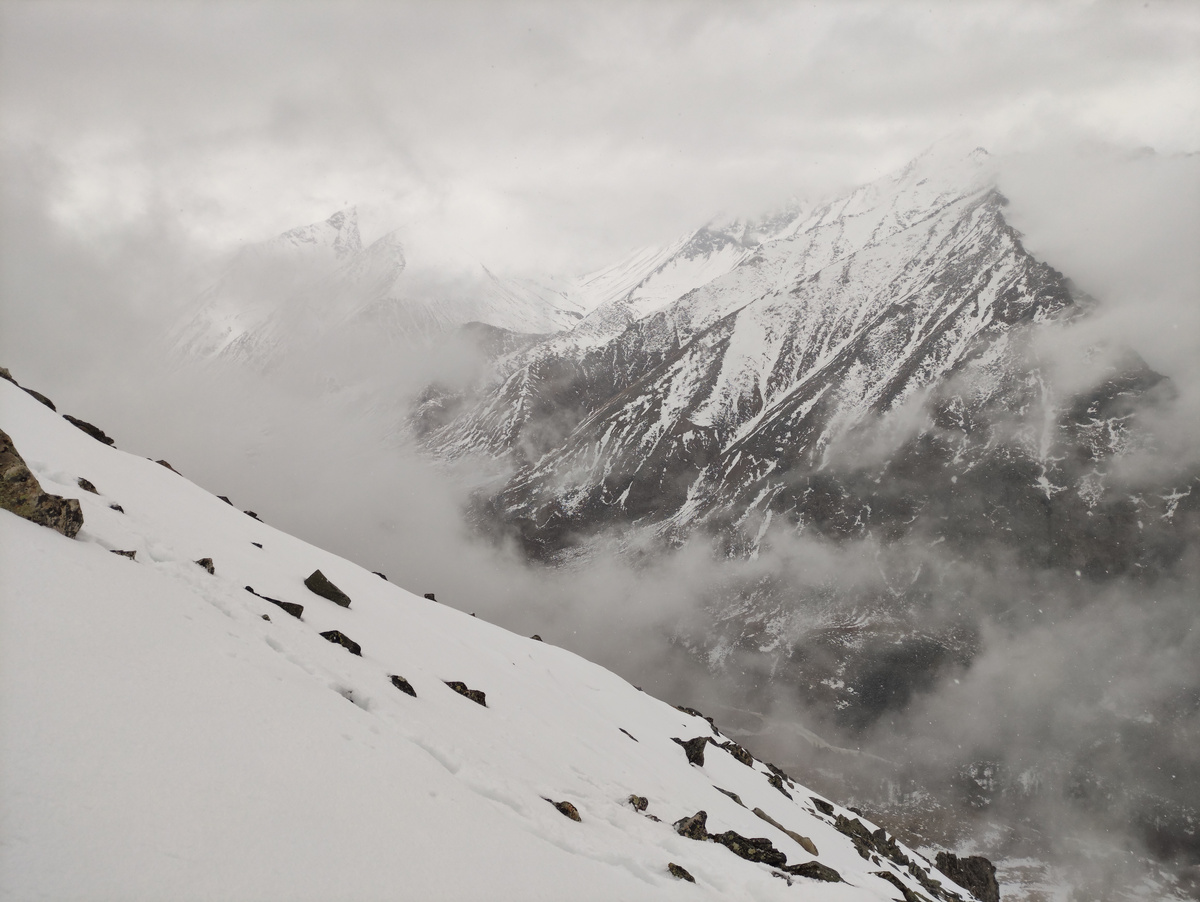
(403, 685)
(94, 431)
(337, 637)
(475, 695)
(974, 872)
(21, 493)
(694, 749)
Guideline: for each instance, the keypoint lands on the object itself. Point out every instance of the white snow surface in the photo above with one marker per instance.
(161, 739)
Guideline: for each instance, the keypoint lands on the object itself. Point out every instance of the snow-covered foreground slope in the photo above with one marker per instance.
(166, 734)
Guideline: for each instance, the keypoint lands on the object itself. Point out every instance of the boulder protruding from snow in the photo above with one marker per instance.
(132, 555)
(38, 396)
(207, 564)
(566, 809)
(680, 872)
(974, 872)
(758, 849)
(475, 695)
(814, 870)
(318, 583)
(296, 610)
(94, 431)
(694, 827)
(639, 803)
(403, 685)
(694, 749)
(337, 637)
(87, 485)
(21, 493)
(804, 842)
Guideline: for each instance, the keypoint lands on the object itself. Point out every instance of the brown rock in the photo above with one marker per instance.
(207, 564)
(474, 695)
(40, 397)
(94, 431)
(337, 637)
(805, 843)
(21, 493)
(680, 872)
(639, 803)
(566, 809)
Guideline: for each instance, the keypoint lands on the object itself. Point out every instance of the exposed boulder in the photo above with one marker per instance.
(907, 894)
(87, 485)
(627, 733)
(676, 871)
(693, 827)
(639, 803)
(256, 544)
(430, 596)
(380, 575)
(163, 463)
(733, 795)
(319, 584)
(339, 638)
(692, 711)
(566, 809)
(132, 555)
(536, 638)
(738, 752)
(207, 564)
(226, 500)
(694, 749)
(37, 395)
(822, 806)
(116, 507)
(777, 781)
(403, 685)
(296, 610)
(21, 493)
(814, 870)
(974, 872)
(805, 843)
(757, 849)
(5, 374)
(94, 431)
(252, 514)
(474, 695)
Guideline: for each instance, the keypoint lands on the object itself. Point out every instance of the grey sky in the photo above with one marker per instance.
(551, 135)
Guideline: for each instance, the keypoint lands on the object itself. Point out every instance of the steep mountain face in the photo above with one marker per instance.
(195, 704)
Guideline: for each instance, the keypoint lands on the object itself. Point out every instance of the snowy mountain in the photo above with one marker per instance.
(196, 705)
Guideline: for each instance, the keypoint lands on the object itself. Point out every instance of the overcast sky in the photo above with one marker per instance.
(550, 135)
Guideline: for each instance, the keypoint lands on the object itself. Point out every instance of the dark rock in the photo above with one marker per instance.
(777, 781)
(340, 638)
(822, 806)
(804, 842)
(693, 827)
(207, 564)
(694, 748)
(226, 500)
(380, 575)
(86, 485)
(318, 584)
(733, 795)
(403, 685)
(163, 463)
(266, 617)
(627, 733)
(40, 397)
(430, 596)
(738, 752)
(256, 544)
(974, 872)
(857, 811)
(116, 507)
(566, 809)
(653, 818)
(296, 610)
(814, 870)
(757, 849)
(474, 695)
(252, 514)
(132, 555)
(639, 803)
(94, 431)
(536, 638)
(5, 374)
(680, 872)
(907, 894)
(21, 493)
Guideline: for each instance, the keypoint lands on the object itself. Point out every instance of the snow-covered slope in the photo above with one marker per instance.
(166, 733)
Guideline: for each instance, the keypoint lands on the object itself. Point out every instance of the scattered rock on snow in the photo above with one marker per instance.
(639, 803)
(777, 781)
(296, 610)
(805, 843)
(536, 638)
(256, 544)
(41, 397)
(5, 374)
(116, 507)
(403, 685)
(738, 752)
(814, 870)
(319, 584)
(566, 809)
(909, 895)
(680, 872)
(694, 749)
(94, 431)
(163, 463)
(430, 596)
(627, 733)
(252, 514)
(132, 555)
(733, 795)
(207, 564)
(475, 695)
(21, 493)
(86, 485)
(339, 638)
(693, 827)
(822, 806)
(695, 713)
(226, 500)
(380, 575)
(974, 872)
